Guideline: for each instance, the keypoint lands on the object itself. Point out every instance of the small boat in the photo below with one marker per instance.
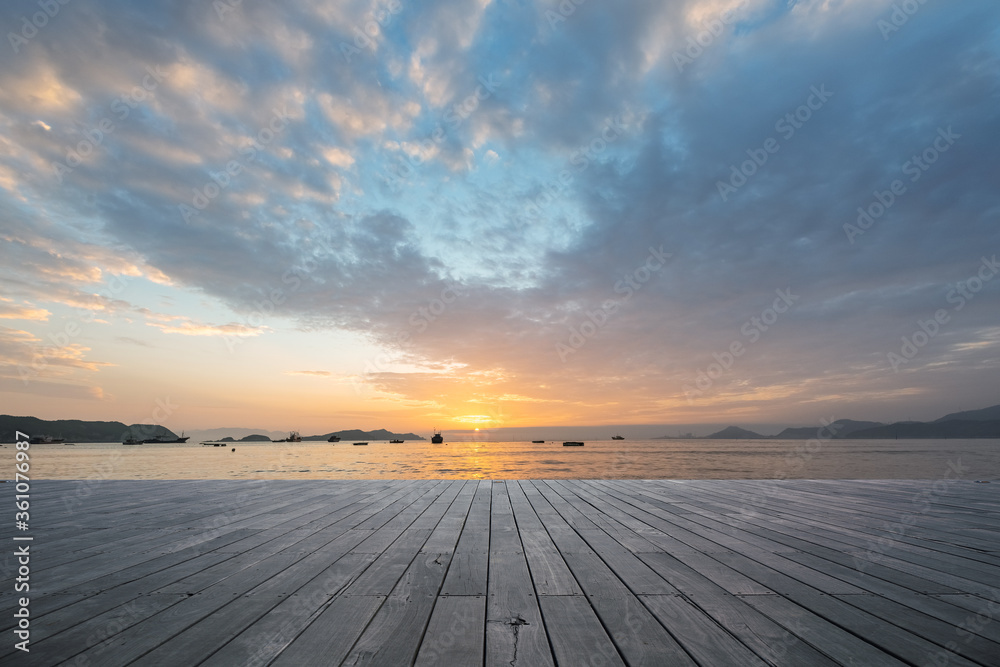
(395, 442)
(161, 440)
(618, 437)
(333, 438)
(44, 440)
(437, 438)
(537, 442)
(131, 441)
(293, 436)
(359, 444)
(572, 443)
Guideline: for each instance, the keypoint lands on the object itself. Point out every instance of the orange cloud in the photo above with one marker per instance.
(11, 311)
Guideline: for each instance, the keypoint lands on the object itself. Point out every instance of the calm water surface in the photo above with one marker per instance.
(628, 459)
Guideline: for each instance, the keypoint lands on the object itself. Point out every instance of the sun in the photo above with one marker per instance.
(477, 429)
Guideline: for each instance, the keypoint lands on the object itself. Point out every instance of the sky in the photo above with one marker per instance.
(469, 214)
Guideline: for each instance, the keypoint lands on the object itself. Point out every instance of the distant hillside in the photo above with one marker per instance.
(235, 432)
(355, 434)
(986, 414)
(75, 430)
(255, 437)
(734, 433)
(954, 428)
(840, 429)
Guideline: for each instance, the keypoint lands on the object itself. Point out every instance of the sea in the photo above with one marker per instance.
(598, 459)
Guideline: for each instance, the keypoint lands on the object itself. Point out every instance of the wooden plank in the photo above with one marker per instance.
(381, 577)
(638, 636)
(266, 638)
(392, 637)
(887, 636)
(698, 633)
(633, 572)
(454, 634)
(760, 634)
(576, 634)
(212, 632)
(55, 640)
(514, 629)
(704, 577)
(548, 569)
(470, 562)
(977, 648)
(842, 646)
(328, 639)
(744, 571)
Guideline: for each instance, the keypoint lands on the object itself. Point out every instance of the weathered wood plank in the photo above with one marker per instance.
(267, 637)
(455, 634)
(514, 629)
(698, 633)
(328, 640)
(477, 572)
(576, 634)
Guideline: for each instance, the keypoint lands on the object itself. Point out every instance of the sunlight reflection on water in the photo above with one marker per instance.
(636, 459)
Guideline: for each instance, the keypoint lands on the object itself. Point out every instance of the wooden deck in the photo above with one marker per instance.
(529, 573)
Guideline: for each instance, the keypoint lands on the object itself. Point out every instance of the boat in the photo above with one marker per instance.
(44, 440)
(131, 441)
(437, 438)
(161, 440)
(293, 436)
(537, 442)
(572, 443)
(333, 438)
(395, 442)
(618, 437)
(359, 444)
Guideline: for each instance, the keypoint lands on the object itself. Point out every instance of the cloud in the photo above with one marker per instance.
(12, 311)
(178, 324)
(26, 356)
(315, 225)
